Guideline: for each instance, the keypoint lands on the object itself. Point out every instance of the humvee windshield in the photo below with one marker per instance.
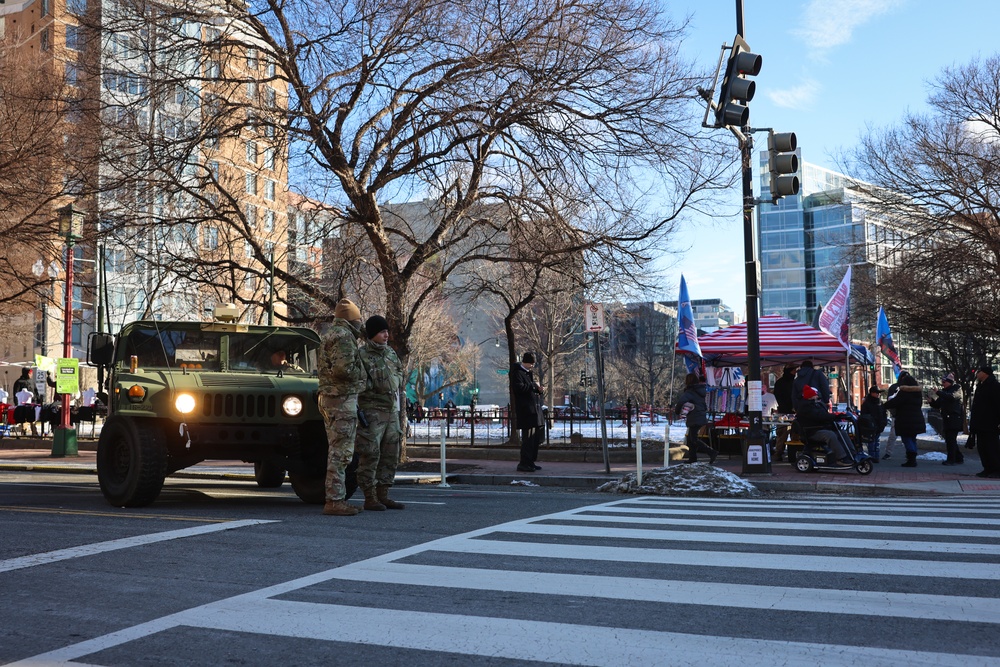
(264, 351)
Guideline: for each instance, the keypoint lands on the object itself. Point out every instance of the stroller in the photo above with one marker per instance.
(815, 456)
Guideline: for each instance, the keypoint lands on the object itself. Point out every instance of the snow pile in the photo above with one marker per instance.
(932, 456)
(521, 482)
(689, 479)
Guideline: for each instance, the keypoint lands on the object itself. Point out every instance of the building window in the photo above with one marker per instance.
(252, 152)
(213, 70)
(211, 238)
(269, 189)
(46, 39)
(252, 59)
(270, 97)
(251, 184)
(46, 7)
(269, 220)
(271, 68)
(72, 71)
(213, 169)
(251, 215)
(269, 158)
(252, 90)
(248, 249)
(74, 38)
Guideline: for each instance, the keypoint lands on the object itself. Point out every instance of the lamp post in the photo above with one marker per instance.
(475, 369)
(71, 228)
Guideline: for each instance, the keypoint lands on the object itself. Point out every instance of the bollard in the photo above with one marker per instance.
(638, 452)
(444, 476)
(666, 445)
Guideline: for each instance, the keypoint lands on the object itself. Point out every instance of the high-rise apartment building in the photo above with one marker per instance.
(177, 118)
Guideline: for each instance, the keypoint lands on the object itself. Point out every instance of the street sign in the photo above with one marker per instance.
(502, 371)
(67, 375)
(594, 317)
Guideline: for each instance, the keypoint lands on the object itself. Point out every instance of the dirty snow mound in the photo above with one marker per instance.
(690, 479)
(932, 456)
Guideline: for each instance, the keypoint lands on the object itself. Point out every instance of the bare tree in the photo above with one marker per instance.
(939, 172)
(458, 103)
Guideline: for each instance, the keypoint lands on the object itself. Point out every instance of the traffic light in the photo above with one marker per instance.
(783, 164)
(583, 378)
(736, 89)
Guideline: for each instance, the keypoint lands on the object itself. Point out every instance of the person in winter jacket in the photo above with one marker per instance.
(984, 422)
(528, 411)
(908, 404)
(692, 401)
(783, 394)
(379, 436)
(873, 421)
(948, 401)
(817, 423)
(808, 376)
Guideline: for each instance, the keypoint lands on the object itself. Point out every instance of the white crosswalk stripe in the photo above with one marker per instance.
(681, 556)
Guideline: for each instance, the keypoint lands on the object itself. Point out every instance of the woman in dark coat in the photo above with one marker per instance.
(909, 421)
(697, 416)
(948, 401)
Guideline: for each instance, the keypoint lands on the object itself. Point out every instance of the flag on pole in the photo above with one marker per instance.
(687, 333)
(884, 339)
(835, 318)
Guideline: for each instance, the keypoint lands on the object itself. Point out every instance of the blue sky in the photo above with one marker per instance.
(831, 68)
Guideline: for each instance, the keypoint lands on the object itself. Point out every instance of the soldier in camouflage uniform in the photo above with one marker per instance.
(378, 441)
(341, 379)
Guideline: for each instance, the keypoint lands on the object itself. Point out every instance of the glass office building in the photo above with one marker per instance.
(807, 241)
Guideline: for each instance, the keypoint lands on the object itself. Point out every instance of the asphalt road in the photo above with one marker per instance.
(221, 573)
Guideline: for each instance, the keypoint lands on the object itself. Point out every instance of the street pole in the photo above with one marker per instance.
(755, 456)
(64, 436)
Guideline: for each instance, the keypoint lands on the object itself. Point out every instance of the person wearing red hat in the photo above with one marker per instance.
(818, 424)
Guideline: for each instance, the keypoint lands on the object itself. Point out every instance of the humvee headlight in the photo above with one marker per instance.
(184, 403)
(292, 406)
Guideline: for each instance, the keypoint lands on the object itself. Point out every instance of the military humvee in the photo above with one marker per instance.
(183, 392)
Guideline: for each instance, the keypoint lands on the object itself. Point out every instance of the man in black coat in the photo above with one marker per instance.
(783, 388)
(809, 376)
(528, 411)
(984, 422)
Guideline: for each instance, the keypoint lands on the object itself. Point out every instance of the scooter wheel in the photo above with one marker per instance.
(803, 463)
(864, 467)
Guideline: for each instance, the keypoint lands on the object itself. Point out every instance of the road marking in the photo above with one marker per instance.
(785, 526)
(812, 541)
(123, 515)
(750, 596)
(560, 643)
(123, 543)
(422, 502)
(728, 514)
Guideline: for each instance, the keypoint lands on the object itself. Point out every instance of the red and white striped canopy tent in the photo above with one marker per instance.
(781, 341)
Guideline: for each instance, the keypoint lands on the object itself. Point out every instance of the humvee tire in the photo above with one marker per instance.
(310, 486)
(269, 474)
(131, 462)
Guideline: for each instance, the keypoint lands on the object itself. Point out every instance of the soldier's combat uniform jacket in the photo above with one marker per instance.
(341, 378)
(378, 443)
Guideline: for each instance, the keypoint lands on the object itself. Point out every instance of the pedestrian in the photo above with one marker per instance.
(809, 376)
(873, 421)
(909, 421)
(984, 422)
(341, 378)
(783, 395)
(817, 423)
(893, 388)
(692, 404)
(379, 435)
(948, 401)
(527, 411)
(24, 383)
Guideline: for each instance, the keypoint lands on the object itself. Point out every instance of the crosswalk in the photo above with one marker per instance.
(658, 581)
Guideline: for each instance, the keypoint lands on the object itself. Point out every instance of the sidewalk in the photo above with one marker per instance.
(566, 468)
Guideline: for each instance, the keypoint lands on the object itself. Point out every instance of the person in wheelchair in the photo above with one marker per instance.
(818, 426)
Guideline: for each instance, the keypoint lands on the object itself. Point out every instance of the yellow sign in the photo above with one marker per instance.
(67, 376)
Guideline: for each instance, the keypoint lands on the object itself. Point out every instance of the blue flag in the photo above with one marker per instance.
(884, 339)
(687, 333)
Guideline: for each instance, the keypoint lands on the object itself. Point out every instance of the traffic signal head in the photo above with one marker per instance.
(736, 89)
(783, 164)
